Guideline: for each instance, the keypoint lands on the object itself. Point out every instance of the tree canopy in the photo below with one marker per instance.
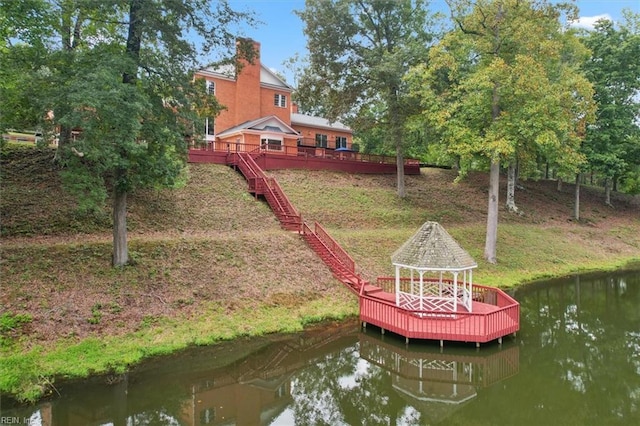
(505, 85)
(120, 72)
(359, 54)
(612, 143)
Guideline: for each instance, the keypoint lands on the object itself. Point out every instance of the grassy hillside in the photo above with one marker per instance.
(364, 214)
(212, 263)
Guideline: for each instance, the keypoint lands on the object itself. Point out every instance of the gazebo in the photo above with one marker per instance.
(433, 273)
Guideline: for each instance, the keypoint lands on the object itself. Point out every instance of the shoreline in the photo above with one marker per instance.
(36, 370)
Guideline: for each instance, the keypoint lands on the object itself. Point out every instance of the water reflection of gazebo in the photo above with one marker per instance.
(438, 383)
(440, 272)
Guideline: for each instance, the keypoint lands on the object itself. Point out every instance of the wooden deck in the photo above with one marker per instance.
(494, 314)
(303, 158)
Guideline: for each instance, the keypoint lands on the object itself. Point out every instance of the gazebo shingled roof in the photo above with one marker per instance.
(433, 248)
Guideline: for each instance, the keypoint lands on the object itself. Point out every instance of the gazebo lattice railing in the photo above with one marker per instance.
(438, 294)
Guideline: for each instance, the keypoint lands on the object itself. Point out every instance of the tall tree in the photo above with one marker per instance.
(359, 53)
(502, 86)
(612, 143)
(131, 92)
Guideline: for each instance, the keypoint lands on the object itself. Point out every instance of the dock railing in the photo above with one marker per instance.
(425, 324)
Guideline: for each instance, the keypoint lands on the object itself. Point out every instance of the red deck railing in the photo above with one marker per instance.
(300, 151)
(334, 257)
(336, 248)
(459, 326)
(259, 183)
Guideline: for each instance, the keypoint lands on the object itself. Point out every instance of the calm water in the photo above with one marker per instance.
(576, 361)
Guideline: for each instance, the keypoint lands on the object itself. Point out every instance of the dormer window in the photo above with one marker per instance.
(280, 100)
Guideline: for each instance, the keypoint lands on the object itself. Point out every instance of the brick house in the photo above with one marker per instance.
(259, 113)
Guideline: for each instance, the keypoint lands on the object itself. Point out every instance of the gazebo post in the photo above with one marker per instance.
(397, 285)
(470, 290)
(421, 290)
(412, 287)
(455, 291)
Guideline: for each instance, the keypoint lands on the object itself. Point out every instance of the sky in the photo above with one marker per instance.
(281, 34)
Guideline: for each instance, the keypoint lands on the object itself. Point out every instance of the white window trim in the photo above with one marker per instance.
(210, 87)
(323, 138)
(266, 137)
(206, 130)
(280, 100)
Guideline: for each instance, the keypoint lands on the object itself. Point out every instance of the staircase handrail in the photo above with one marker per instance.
(274, 185)
(247, 160)
(336, 248)
(273, 188)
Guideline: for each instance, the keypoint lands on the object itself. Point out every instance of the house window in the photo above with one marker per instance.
(321, 140)
(209, 126)
(272, 144)
(211, 88)
(341, 142)
(280, 100)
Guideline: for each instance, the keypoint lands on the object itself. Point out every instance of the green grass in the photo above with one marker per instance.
(29, 373)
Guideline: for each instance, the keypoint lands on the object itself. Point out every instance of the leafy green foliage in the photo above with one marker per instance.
(359, 53)
(122, 78)
(505, 84)
(612, 143)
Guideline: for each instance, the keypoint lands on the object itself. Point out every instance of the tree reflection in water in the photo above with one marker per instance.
(576, 360)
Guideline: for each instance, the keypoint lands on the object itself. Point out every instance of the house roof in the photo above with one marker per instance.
(432, 248)
(319, 122)
(271, 79)
(269, 124)
(267, 77)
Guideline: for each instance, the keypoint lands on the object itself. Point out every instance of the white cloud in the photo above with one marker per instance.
(588, 22)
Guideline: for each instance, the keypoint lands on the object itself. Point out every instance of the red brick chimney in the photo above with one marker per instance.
(248, 80)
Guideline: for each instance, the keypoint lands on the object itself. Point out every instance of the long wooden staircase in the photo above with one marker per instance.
(328, 249)
(495, 313)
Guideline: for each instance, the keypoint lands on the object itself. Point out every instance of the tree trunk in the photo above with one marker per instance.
(134, 42)
(607, 191)
(397, 132)
(492, 212)
(511, 188)
(120, 249)
(400, 174)
(64, 139)
(576, 210)
(491, 239)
